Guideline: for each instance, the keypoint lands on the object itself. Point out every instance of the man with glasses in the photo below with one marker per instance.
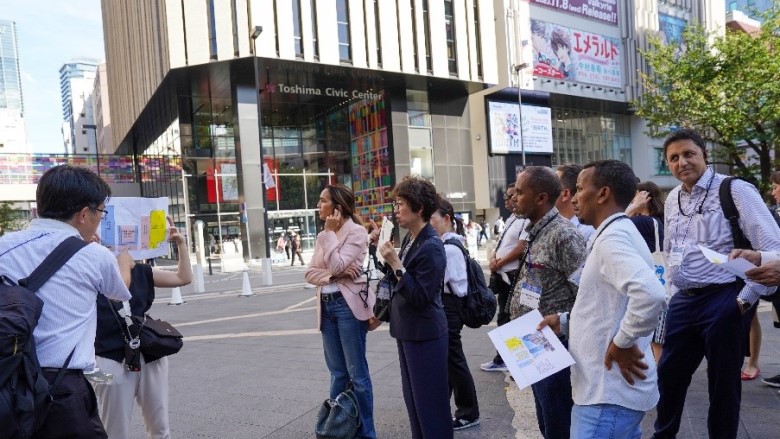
(710, 315)
(503, 269)
(71, 202)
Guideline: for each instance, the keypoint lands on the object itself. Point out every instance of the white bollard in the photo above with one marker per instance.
(246, 289)
(266, 271)
(200, 283)
(176, 296)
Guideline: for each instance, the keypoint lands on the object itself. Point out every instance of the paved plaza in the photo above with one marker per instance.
(253, 367)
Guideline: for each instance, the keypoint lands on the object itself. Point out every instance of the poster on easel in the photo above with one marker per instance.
(136, 224)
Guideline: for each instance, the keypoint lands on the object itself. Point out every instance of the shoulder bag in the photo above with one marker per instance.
(339, 418)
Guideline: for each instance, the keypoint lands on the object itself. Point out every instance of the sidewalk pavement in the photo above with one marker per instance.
(504, 404)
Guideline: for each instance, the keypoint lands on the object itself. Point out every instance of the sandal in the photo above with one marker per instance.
(750, 377)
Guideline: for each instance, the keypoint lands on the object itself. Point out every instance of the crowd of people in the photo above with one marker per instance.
(581, 246)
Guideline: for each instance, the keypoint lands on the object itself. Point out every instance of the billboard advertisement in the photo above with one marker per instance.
(671, 30)
(503, 119)
(601, 10)
(574, 55)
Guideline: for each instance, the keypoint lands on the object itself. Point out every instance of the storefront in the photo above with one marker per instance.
(320, 125)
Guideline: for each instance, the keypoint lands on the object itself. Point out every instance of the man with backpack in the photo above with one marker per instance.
(710, 314)
(71, 203)
(555, 250)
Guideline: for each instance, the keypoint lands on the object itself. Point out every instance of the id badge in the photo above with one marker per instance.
(575, 277)
(529, 295)
(675, 256)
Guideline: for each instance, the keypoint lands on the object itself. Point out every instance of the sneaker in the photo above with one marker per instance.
(460, 423)
(493, 367)
(773, 381)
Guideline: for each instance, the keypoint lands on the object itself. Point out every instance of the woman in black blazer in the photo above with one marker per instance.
(417, 320)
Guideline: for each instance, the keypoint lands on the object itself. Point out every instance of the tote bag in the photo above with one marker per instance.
(661, 267)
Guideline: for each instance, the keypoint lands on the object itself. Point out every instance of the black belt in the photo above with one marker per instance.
(67, 371)
(331, 296)
(711, 288)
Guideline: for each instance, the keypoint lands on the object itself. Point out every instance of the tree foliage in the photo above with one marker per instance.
(9, 217)
(725, 86)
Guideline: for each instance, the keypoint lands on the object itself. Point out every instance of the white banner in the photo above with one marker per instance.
(505, 129)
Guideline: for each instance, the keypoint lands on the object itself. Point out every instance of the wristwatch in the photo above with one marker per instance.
(400, 272)
(744, 306)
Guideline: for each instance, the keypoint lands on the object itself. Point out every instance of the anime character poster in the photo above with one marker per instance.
(573, 55)
(671, 32)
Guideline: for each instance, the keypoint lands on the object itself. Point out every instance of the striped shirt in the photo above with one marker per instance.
(688, 229)
(69, 316)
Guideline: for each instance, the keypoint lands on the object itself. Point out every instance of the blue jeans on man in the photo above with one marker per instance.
(553, 400)
(344, 342)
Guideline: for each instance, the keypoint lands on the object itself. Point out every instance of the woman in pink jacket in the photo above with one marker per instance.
(345, 304)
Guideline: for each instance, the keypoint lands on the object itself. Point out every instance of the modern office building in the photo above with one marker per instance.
(750, 7)
(356, 92)
(77, 79)
(580, 64)
(13, 137)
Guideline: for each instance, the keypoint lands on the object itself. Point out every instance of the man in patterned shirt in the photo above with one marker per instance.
(710, 315)
(555, 250)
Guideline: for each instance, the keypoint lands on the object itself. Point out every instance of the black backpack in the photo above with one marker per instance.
(25, 394)
(480, 303)
(732, 216)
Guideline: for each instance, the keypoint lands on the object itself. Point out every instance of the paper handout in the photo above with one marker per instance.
(529, 354)
(136, 224)
(737, 266)
(385, 234)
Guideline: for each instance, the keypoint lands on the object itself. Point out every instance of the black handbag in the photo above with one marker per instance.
(384, 297)
(339, 418)
(158, 337)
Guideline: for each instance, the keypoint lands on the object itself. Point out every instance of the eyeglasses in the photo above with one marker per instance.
(103, 212)
(398, 204)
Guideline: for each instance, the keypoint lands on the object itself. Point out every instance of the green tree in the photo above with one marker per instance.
(725, 86)
(9, 217)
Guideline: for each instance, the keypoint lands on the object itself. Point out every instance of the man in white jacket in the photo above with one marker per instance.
(617, 307)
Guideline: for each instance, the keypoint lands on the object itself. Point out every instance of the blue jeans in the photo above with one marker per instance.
(552, 397)
(605, 421)
(344, 342)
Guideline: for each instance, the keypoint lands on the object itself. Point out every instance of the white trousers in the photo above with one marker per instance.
(149, 388)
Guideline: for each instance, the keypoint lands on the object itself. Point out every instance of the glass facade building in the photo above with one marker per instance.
(10, 78)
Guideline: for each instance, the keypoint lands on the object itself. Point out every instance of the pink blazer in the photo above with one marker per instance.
(333, 253)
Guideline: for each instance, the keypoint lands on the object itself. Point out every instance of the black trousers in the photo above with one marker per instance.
(503, 291)
(74, 412)
(707, 324)
(460, 379)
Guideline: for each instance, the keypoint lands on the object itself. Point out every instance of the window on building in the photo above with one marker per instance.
(478, 39)
(378, 34)
(733, 6)
(212, 31)
(449, 23)
(314, 44)
(342, 19)
(297, 25)
(414, 36)
(427, 30)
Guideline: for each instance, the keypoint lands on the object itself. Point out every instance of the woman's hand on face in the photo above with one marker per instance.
(333, 221)
(641, 199)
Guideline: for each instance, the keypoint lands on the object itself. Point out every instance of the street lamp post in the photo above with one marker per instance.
(267, 262)
(519, 70)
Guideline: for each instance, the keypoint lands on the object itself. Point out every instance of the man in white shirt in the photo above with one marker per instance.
(568, 176)
(615, 313)
(71, 202)
(504, 268)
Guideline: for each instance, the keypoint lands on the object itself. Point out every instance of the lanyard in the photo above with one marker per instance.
(527, 254)
(617, 218)
(506, 230)
(691, 214)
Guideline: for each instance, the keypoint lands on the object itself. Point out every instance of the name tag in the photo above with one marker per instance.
(530, 295)
(675, 256)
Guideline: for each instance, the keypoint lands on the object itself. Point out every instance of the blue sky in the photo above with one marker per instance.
(51, 33)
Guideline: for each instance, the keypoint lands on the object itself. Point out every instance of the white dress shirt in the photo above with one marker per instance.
(514, 232)
(69, 316)
(619, 300)
(585, 230)
(455, 274)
